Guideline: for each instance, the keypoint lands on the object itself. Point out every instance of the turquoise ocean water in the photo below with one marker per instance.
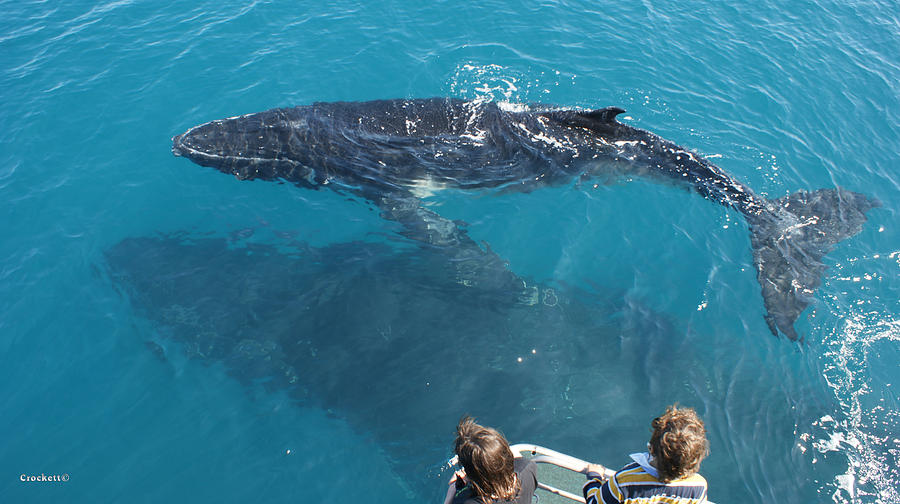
(114, 384)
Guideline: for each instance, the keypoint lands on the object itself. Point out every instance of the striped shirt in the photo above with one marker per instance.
(636, 485)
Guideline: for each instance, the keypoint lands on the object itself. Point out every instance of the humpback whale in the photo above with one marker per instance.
(387, 151)
(361, 330)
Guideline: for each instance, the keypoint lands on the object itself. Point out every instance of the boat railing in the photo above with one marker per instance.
(541, 455)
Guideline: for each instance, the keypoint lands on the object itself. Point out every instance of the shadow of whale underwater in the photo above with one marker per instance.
(388, 151)
(392, 343)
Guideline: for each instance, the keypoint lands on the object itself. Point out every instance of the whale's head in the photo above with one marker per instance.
(249, 147)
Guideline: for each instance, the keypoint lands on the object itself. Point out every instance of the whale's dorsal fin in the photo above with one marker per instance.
(607, 114)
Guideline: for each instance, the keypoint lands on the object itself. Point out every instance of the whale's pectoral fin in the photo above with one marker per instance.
(475, 266)
(789, 243)
(420, 223)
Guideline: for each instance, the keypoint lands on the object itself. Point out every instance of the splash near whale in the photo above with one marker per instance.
(387, 151)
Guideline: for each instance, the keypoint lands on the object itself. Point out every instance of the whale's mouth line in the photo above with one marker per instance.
(180, 149)
(177, 146)
(219, 161)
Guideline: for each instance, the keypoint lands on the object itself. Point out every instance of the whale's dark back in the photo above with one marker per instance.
(385, 144)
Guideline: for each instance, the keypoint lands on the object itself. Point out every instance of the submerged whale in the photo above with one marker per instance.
(360, 330)
(388, 151)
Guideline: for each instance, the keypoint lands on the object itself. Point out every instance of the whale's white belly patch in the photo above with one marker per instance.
(426, 187)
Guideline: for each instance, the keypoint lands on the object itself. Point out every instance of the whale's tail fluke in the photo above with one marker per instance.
(789, 240)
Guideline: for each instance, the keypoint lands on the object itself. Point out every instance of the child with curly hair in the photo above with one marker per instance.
(668, 473)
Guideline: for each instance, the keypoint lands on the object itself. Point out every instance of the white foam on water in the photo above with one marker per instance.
(871, 474)
(501, 83)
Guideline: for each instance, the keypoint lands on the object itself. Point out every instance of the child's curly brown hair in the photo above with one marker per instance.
(678, 443)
